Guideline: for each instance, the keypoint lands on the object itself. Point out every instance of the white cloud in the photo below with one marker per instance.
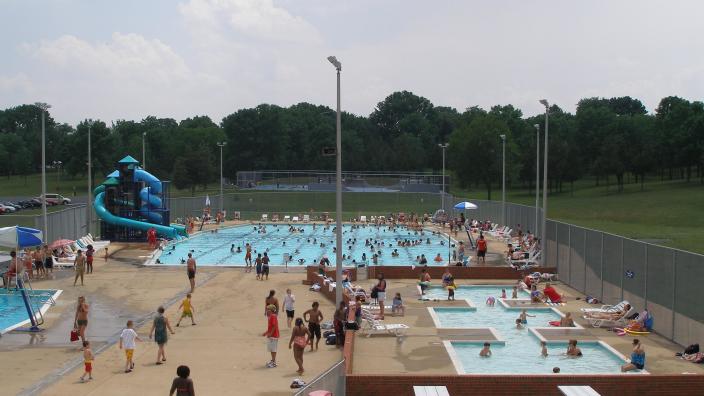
(259, 19)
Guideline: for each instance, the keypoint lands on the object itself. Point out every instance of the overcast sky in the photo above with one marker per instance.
(129, 59)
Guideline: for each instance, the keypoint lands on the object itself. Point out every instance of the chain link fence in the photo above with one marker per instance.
(613, 268)
(69, 223)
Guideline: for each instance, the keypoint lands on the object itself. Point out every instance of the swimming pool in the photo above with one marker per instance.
(13, 313)
(309, 244)
(514, 351)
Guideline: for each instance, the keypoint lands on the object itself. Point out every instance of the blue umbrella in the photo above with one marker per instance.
(466, 205)
(20, 237)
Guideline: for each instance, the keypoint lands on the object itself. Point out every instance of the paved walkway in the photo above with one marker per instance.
(225, 351)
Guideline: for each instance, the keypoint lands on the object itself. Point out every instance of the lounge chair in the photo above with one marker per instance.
(622, 321)
(363, 219)
(287, 218)
(265, 217)
(608, 308)
(374, 326)
(306, 218)
(295, 219)
(432, 390)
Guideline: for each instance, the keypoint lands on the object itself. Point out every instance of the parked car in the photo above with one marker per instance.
(56, 199)
(13, 204)
(7, 209)
(30, 203)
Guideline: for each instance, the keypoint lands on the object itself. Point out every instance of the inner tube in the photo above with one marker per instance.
(632, 332)
(554, 323)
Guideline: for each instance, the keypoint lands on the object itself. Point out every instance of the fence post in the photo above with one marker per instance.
(674, 292)
(620, 274)
(584, 262)
(601, 266)
(569, 253)
(645, 284)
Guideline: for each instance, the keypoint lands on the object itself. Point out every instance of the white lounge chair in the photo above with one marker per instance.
(363, 219)
(306, 218)
(295, 219)
(432, 390)
(622, 321)
(287, 218)
(265, 217)
(608, 308)
(378, 327)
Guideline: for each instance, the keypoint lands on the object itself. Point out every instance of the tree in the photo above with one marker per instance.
(475, 151)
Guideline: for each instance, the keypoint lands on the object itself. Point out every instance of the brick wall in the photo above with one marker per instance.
(639, 385)
(457, 272)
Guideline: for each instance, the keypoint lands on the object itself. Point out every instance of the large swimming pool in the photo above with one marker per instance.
(13, 313)
(307, 244)
(515, 351)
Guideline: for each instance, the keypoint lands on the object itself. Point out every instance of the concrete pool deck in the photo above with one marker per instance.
(422, 350)
(225, 351)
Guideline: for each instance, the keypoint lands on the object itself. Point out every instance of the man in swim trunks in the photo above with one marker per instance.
(313, 316)
(265, 266)
(191, 271)
(80, 266)
(80, 321)
(481, 249)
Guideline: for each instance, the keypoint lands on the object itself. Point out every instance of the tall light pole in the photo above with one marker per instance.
(44, 107)
(443, 146)
(221, 145)
(536, 231)
(144, 157)
(545, 184)
(503, 179)
(89, 204)
(338, 191)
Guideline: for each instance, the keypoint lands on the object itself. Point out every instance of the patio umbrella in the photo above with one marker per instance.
(20, 237)
(466, 206)
(60, 243)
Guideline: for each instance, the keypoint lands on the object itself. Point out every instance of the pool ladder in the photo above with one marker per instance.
(34, 308)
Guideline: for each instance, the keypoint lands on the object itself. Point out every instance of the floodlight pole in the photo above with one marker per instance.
(44, 107)
(144, 157)
(443, 146)
(221, 145)
(503, 179)
(545, 185)
(338, 192)
(536, 231)
(89, 207)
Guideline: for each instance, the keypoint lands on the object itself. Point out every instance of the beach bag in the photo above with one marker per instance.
(692, 349)
(331, 339)
(351, 326)
(327, 333)
(375, 292)
(74, 335)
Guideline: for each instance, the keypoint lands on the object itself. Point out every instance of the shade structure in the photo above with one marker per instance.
(466, 206)
(20, 237)
(60, 243)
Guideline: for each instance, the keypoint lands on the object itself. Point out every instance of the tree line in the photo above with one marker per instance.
(605, 139)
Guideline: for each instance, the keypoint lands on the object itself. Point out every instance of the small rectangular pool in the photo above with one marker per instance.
(13, 313)
(514, 350)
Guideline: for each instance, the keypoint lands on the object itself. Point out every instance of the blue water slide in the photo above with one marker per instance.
(168, 231)
(149, 195)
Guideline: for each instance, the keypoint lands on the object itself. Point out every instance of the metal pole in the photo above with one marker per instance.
(338, 200)
(545, 179)
(536, 231)
(144, 158)
(503, 179)
(442, 194)
(222, 207)
(46, 233)
(89, 207)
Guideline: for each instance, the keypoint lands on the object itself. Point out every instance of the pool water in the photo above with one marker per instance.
(214, 249)
(12, 309)
(521, 352)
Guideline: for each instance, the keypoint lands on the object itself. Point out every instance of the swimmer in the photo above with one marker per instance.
(519, 325)
(232, 248)
(490, 301)
(514, 293)
(239, 249)
(573, 350)
(503, 293)
(486, 351)
(524, 317)
(543, 349)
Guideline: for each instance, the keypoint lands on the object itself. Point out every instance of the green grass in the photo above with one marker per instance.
(668, 213)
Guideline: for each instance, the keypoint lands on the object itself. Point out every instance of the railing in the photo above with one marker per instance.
(332, 380)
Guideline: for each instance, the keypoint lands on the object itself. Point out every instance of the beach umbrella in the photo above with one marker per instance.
(466, 206)
(60, 243)
(20, 237)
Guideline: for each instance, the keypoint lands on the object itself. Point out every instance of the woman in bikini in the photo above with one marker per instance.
(300, 337)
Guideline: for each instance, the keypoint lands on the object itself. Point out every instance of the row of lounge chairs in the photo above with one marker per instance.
(295, 219)
(80, 244)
